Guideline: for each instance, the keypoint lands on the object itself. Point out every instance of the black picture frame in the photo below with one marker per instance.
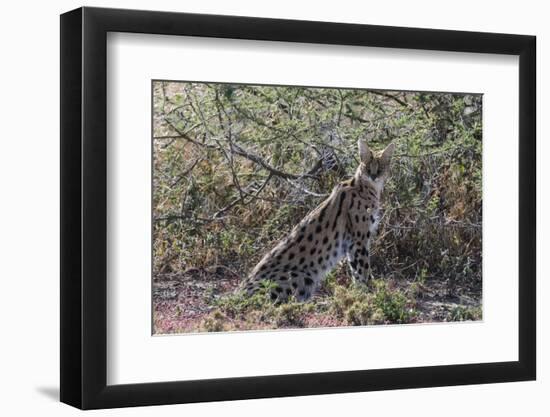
(84, 207)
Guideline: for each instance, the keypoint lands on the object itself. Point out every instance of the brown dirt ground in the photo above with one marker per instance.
(181, 301)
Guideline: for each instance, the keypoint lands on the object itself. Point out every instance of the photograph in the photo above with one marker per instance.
(293, 207)
(355, 189)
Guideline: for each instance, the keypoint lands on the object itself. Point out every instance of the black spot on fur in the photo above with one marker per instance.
(279, 289)
(341, 202)
(294, 285)
(273, 296)
(312, 251)
(318, 229)
(302, 293)
(308, 281)
(325, 240)
(310, 237)
(291, 256)
(302, 260)
(302, 248)
(300, 238)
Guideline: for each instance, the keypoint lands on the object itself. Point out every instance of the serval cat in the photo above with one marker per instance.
(341, 226)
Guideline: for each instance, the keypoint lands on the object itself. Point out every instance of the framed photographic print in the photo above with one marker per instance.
(258, 207)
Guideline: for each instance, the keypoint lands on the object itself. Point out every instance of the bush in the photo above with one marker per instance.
(461, 313)
(379, 304)
(215, 322)
(291, 314)
(236, 167)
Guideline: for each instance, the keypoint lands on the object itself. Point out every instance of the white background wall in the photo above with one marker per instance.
(29, 225)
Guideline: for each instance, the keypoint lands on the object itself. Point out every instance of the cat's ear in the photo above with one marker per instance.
(387, 154)
(365, 153)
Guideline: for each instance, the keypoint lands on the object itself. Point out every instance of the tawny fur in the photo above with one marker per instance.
(341, 226)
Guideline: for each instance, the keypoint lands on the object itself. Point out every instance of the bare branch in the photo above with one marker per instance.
(305, 190)
(255, 158)
(391, 97)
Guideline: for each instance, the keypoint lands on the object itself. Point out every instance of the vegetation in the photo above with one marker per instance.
(235, 167)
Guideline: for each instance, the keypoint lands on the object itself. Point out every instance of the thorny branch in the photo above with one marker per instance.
(272, 148)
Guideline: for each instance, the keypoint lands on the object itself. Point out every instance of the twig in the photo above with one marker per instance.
(242, 198)
(186, 172)
(340, 109)
(305, 190)
(390, 96)
(254, 158)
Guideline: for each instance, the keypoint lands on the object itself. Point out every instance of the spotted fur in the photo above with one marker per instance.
(341, 226)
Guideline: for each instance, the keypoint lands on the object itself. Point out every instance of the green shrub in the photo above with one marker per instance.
(359, 314)
(214, 322)
(393, 304)
(461, 313)
(240, 303)
(377, 303)
(291, 314)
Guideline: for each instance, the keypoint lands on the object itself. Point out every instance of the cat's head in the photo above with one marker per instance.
(374, 167)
